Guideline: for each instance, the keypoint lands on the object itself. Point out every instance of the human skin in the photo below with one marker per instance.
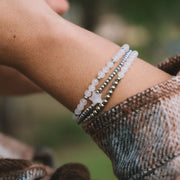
(59, 6)
(65, 58)
(14, 83)
(61, 57)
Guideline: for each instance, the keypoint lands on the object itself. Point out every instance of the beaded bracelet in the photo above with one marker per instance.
(120, 75)
(95, 82)
(96, 94)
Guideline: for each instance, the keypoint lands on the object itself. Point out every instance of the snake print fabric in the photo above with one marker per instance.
(141, 135)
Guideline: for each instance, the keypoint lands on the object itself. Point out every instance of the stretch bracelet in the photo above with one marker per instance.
(96, 94)
(120, 75)
(95, 82)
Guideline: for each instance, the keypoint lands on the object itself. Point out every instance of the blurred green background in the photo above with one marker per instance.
(151, 27)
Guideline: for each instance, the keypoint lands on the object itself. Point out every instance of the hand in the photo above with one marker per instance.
(59, 6)
(22, 26)
(8, 75)
(14, 83)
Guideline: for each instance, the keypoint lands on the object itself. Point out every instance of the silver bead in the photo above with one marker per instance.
(85, 97)
(100, 89)
(115, 70)
(118, 78)
(97, 91)
(110, 92)
(98, 108)
(107, 97)
(113, 61)
(95, 112)
(111, 75)
(107, 81)
(81, 118)
(105, 84)
(113, 87)
(98, 78)
(86, 111)
(87, 119)
(114, 73)
(115, 83)
(101, 105)
(105, 102)
(109, 78)
(91, 115)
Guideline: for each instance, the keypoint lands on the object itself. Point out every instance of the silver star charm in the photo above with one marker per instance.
(96, 98)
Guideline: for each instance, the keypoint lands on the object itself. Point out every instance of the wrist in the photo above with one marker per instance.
(27, 41)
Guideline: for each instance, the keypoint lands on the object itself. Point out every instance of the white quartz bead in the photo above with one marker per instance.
(110, 64)
(125, 47)
(131, 58)
(119, 56)
(121, 75)
(91, 88)
(115, 58)
(95, 82)
(80, 107)
(96, 98)
(105, 69)
(87, 93)
(74, 118)
(83, 101)
(128, 64)
(121, 53)
(134, 53)
(101, 74)
(77, 111)
(124, 69)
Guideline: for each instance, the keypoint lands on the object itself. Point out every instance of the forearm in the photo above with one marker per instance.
(14, 83)
(63, 59)
(71, 57)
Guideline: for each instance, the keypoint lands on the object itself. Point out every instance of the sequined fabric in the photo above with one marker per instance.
(141, 135)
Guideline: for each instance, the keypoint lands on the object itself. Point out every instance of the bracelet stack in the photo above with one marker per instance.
(95, 96)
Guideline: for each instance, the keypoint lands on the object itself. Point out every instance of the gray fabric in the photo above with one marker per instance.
(141, 135)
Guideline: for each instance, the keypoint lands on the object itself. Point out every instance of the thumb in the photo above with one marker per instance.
(59, 6)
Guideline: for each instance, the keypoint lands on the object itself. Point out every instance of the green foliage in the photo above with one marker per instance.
(142, 11)
(71, 144)
(149, 12)
(91, 156)
(58, 131)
